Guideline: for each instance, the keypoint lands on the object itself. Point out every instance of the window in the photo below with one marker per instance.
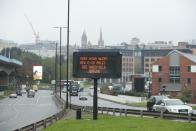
(146, 65)
(174, 80)
(146, 60)
(160, 68)
(159, 79)
(188, 80)
(188, 68)
(146, 70)
(152, 59)
(174, 70)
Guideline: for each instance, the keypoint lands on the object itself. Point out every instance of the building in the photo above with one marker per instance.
(84, 43)
(6, 44)
(150, 56)
(174, 73)
(101, 41)
(43, 48)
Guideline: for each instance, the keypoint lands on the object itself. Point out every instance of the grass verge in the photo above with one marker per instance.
(85, 84)
(138, 104)
(6, 93)
(114, 123)
(194, 107)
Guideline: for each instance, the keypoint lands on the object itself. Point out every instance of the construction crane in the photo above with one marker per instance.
(36, 34)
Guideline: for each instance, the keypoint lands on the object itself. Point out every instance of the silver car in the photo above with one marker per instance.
(13, 95)
(31, 93)
(172, 105)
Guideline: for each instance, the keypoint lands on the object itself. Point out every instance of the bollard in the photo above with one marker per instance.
(125, 112)
(107, 110)
(189, 117)
(113, 111)
(51, 119)
(102, 110)
(162, 115)
(34, 127)
(55, 117)
(120, 112)
(44, 123)
(85, 109)
(141, 113)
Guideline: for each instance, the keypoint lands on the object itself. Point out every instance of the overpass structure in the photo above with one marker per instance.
(8, 72)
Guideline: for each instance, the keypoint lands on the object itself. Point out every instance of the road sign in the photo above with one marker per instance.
(97, 64)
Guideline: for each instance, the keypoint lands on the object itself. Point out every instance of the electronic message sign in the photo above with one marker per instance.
(97, 64)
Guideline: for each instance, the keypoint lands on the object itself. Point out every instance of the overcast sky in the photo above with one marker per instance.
(149, 20)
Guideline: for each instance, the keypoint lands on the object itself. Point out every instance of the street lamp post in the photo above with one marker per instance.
(68, 52)
(55, 67)
(60, 55)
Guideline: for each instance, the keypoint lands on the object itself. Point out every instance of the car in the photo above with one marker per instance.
(18, 92)
(35, 88)
(64, 90)
(173, 106)
(31, 93)
(23, 91)
(153, 100)
(81, 89)
(83, 97)
(13, 95)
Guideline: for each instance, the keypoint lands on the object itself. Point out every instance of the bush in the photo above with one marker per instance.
(139, 94)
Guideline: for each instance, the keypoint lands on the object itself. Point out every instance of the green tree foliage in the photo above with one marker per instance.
(30, 59)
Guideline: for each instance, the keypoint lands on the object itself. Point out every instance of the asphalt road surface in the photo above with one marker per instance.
(101, 103)
(18, 112)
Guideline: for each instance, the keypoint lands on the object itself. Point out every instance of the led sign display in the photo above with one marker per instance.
(97, 64)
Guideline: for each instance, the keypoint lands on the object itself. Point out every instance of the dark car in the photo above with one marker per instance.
(19, 92)
(153, 100)
(31, 93)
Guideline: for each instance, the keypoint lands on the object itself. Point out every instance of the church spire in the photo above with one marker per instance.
(84, 40)
(100, 41)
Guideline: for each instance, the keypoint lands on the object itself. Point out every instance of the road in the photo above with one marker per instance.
(18, 112)
(101, 103)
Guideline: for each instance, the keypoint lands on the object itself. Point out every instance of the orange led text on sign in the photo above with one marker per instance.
(93, 64)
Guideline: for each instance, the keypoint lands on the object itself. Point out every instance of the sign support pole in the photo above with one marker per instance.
(95, 111)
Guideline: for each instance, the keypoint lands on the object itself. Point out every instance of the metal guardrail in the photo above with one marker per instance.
(105, 110)
(46, 122)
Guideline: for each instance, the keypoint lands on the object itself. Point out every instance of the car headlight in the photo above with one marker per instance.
(190, 108)
(169, 109)
(175, 110)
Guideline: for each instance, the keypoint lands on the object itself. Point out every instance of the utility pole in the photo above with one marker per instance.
(60, 56)
(55, 67)
(68, 14)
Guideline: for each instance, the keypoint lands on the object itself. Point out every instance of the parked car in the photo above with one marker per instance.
(18, 92)
(153, 100)
(31, 93)
(13, 95)
(172, 105)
